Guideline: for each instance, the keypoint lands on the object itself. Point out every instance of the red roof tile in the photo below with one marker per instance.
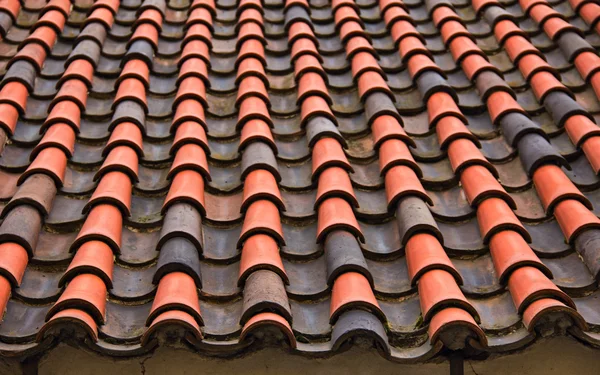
(395, 161)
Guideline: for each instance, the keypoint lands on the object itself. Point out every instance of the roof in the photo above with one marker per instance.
(227, 176)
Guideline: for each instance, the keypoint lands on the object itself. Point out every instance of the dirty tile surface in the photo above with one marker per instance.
(229, 175)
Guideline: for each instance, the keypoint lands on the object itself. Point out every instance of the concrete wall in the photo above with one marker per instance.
(562, 356)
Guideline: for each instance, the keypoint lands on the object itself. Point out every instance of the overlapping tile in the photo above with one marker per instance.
(234, 175)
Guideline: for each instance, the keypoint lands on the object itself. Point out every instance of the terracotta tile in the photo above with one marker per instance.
(268, 319)
(334, 182)
(187, 186)
(5, 289)
(50, 161)
(200, 15)
(251, 31)
(102, 15)
(256, 131)
(449, 319)
(315, 106)
(304, 46)
(80, 69)
(12, 7)
(44, 36)
(93, 257)
(250, 15)
(320, 102)
(260, 252)
(261, 184)
(312, 84)
(505, 29)
(371, 82)
(112, 5)
(494, 215)
(63, 6)
(500, 104)
(590, 148)
(580, 128)
(302, 3)
(249, 87)
(9, 115)
(411, 46)
(190, 132)
(588, 11)
(114, 188)
(450, 128)
(387, 127)
(194, 67)
(541, 13)
(462, 47)
(553, 186)
(573, 217)
(479, 184)
(262, 216)
(131, 89)
(147, 32)
(425, 253)
(104, 223)
(333, 214)
(167, 319)
(327, 152)
(453, 29)
(32, 52)
(440, 105)
(191, 88)
(351, 290)
(14, 94)
(251, 67)
(401, 25)
(443, 14)
(73, 90)
(308, 63)
(345, 14)
(394, 152)
(394, 15)
(510, 251)
(402, 181)
(527, 5)
(438, 290)
(176, 291)
(527, 284)
(517, 47)
(536, 310)
(556, 27)
(253, 108)
(67, 112)
(190, 156)
(385, 5)
(464, 153)
(253, 48)
(189, 110)
(544, 83)
(350, 29)
(13, 261)
(530, 65)
(122, 159)
(84, 292)
(125, 134)
(359, 44)
(475, 64)
(209, 4)
(70, 316)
